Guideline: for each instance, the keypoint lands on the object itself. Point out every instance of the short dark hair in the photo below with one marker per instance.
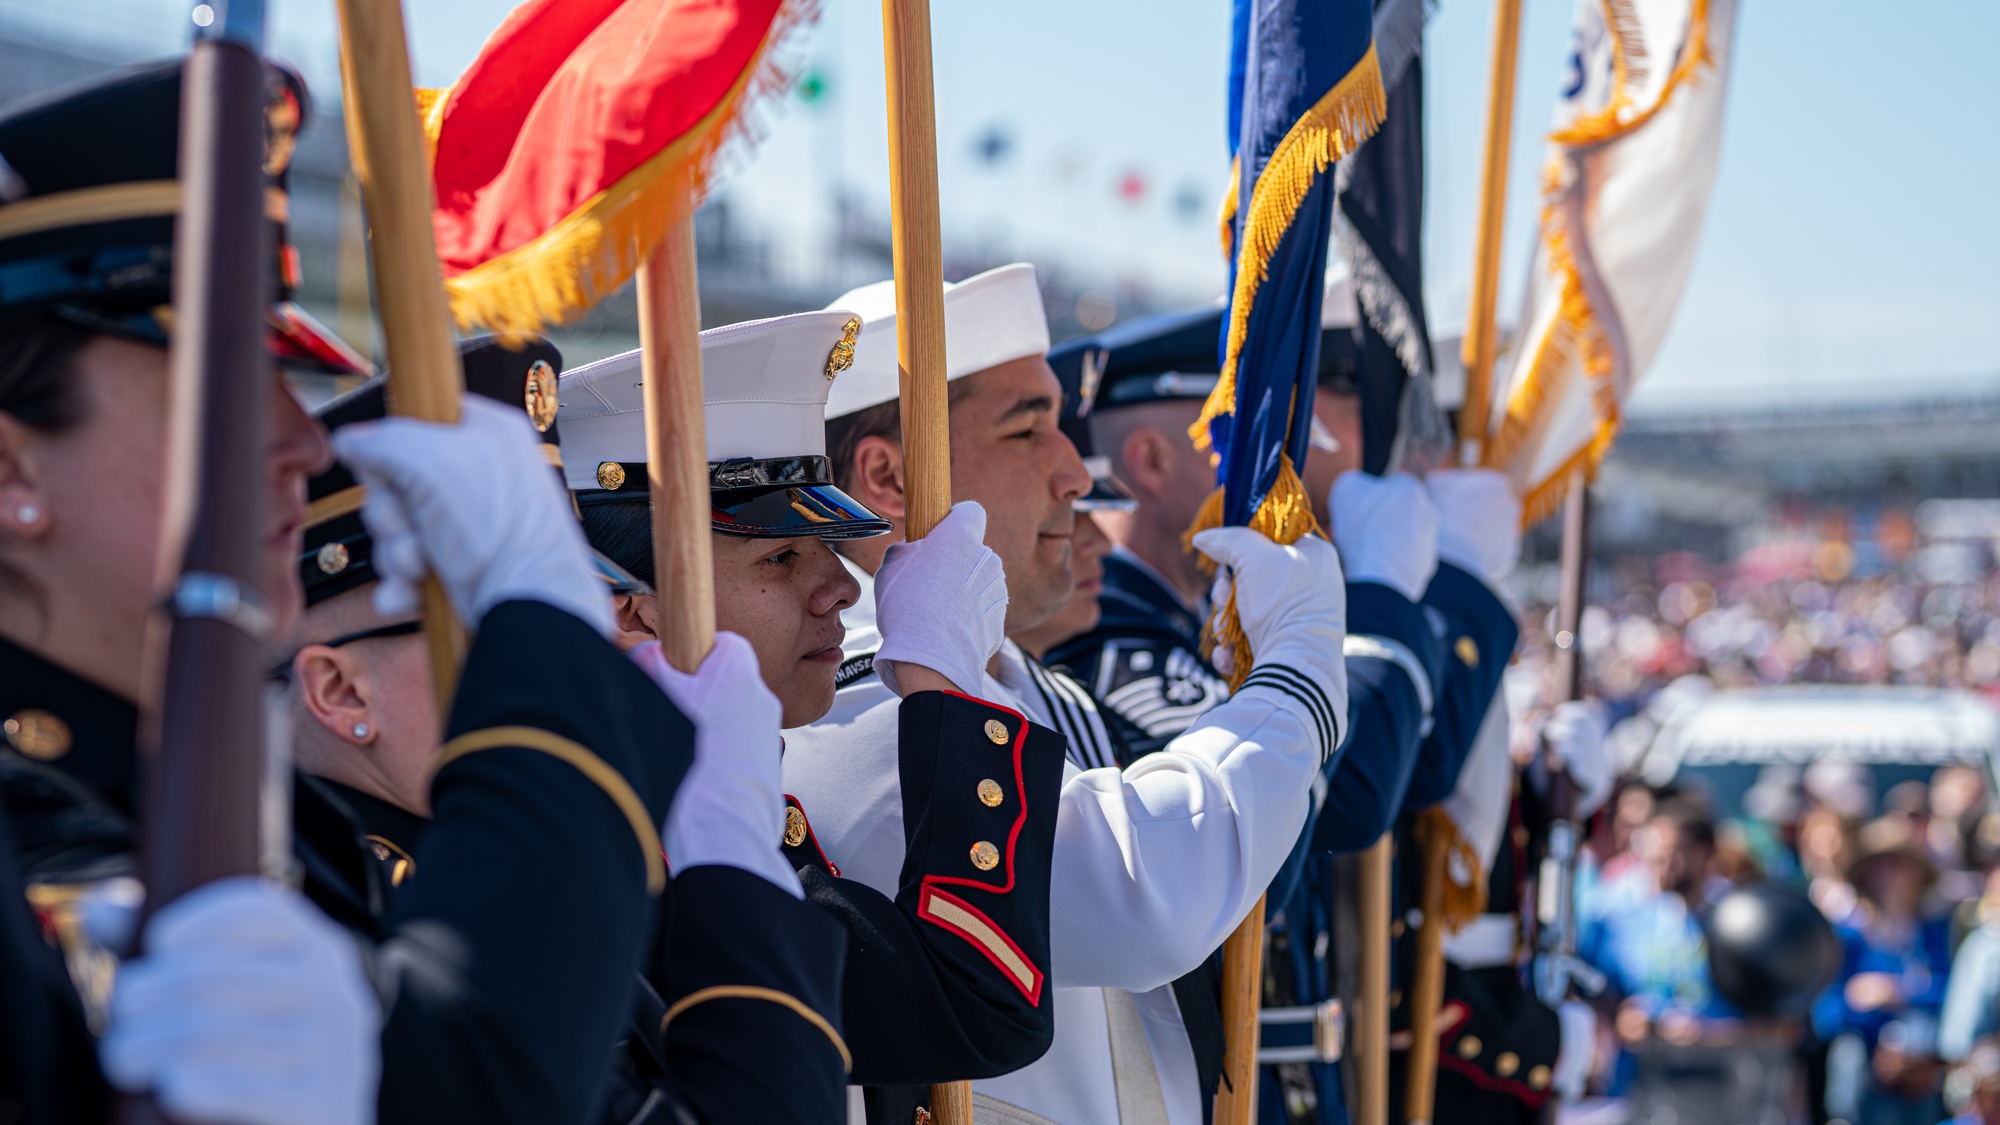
(1695, 826)
(622, 531)
(845, 434)
(37, 388)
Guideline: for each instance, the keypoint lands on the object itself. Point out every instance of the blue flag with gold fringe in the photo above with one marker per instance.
(1304, 90)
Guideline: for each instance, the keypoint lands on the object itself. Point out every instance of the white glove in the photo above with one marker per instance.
(250, 1008)
(1479, 521)
(1292, 603)
(1386, 530)
(941, 602)
(1579, 1049)
(1575, 734)
(476, 504)
(730, 808)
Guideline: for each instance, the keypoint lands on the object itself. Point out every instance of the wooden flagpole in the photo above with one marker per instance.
(918, 250)
(1371, 1007)
(1242, 994)
(1480, 334)
(677, 447)
(387, 145)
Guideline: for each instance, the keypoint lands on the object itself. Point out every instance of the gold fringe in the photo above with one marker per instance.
(595, 249)
(1462, 903)
(1285, 516)
(430, 116)
(1227, 219)
(1616, 119)
(1348, 115)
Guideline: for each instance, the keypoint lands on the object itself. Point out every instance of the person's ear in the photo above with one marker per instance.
(24, 509)
(1144, 456)
(636, 620)
(335, 693)
(878, 476)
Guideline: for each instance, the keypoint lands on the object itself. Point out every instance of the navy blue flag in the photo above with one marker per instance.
(1378, 227)
(1304, 90)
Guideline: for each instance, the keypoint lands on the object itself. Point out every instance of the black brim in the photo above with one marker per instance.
(1106, 495)
(819, 510)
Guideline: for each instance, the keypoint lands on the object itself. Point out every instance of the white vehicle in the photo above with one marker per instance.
(1722, 740)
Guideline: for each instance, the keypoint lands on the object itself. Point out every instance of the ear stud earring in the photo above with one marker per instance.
(361, 730)
(28, 514)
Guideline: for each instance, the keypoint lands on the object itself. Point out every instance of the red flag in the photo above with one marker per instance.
(581, 133)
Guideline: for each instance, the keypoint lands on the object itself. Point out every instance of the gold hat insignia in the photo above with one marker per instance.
(842, 356)
(540, 395)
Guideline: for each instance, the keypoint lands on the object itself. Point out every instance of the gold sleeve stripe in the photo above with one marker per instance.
(752, 992)
(341, 503)
(590, 765)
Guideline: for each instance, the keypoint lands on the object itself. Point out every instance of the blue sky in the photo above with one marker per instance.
(1852, 247)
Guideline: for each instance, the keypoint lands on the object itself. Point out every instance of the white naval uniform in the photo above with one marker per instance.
(1153, 867)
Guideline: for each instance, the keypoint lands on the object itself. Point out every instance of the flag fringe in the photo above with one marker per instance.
(594, 250)
(1462, 901)
(1285, 516)
(1227, 219)
(1337, 124)
(1617, 118)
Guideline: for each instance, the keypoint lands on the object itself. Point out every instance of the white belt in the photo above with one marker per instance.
(1329, 1028)
(1140, 1100)
(1399, 654)
(988, 1110)
(1488, 941)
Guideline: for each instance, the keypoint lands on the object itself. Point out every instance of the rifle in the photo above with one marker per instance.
(1556, 962)
(210, 769)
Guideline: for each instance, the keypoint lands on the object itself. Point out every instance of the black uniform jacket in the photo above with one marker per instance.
(507, 969)
(949, 980)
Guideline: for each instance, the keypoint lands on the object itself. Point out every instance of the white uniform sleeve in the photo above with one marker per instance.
(1155, 865)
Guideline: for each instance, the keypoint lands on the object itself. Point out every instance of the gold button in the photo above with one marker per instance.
(1468, 652)
(37, 734)
(1506, 1064)
(990, 793)
(332, 558)
(985, 856)
(539, 395)
(923, 1116)
(1538, 1077)
(610, 474)
(997, 731)
(795, 827)
(1469, 1047)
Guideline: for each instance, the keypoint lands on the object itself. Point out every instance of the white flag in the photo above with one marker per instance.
(1632, 159)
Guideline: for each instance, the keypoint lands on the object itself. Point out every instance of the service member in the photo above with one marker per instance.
(1154, 864)
(550, 788)
(359, 683)
(1135, 391)
(947, 978)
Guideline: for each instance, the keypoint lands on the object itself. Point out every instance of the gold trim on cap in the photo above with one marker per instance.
(110, 203)
(539, 395)
(842, 356)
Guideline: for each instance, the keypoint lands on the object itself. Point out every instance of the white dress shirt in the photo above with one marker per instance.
(1153, 867)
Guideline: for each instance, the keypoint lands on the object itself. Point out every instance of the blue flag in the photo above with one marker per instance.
(1304, 90)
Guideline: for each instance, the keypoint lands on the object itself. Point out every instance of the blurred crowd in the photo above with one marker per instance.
(1907, 873)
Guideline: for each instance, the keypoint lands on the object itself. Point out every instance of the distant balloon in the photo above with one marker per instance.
(993, 145)
(1132, 187)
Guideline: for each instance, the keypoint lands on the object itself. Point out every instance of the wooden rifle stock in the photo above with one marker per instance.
(209, 769)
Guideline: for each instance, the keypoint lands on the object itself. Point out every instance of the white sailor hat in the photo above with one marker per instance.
(766, 385)
(989, 319)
